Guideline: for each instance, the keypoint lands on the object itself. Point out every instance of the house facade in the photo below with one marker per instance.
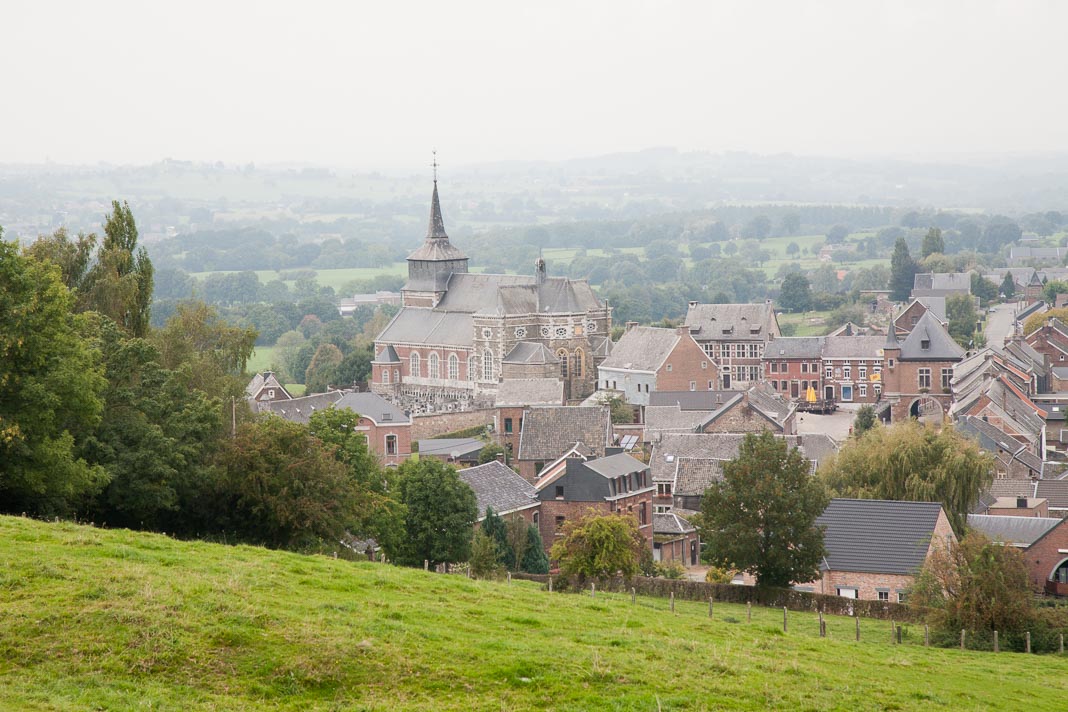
(1043, 542)
(734, 336)
(649, 359)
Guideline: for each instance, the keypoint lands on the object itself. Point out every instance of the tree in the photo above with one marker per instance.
(837, 234)
(282, 487)
(322, 371)
(209, 353)
(485, 560)
(621, 411)
(761, 517)
(731, 248)
(914, 462)
(902, 271)
(1008, 286)
(975, 584)
(962, 316)
(51, 383)
(790, 224)
(440, 511)
(864, 421)
(933, 243)
(73, 257)
(999, 231)
(757, 228)
(794, 296)
(119, 285)
(983, 288)
(599, 546)
(489, 453)
(1052, 288)
(534, 559)
(496, 529)
(792, 249)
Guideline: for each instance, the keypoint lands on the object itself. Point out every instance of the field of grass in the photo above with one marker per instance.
(114, 620)
(807, 323)
(262, 359)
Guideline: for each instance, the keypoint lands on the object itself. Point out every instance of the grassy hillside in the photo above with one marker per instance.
(103, 620)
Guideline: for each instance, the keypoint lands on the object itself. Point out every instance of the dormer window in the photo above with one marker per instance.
(925, 344)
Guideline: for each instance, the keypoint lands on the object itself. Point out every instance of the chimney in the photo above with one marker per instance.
(692, 304)
(1021, 502)
(539, 271)
(630, 325)
(500, 458)
(683, 330)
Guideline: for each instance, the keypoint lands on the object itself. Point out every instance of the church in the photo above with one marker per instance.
(459, 334)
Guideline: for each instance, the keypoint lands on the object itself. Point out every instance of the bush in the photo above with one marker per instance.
(673, 571)
(485, 561)
(718, 575)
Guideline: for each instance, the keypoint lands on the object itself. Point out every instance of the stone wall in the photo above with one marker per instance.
(432, 426)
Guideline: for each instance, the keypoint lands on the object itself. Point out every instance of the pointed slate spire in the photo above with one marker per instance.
(891, 336)
(436, 228)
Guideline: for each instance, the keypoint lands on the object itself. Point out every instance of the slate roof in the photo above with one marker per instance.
(387, 354)
(450, 447)
(260, 381)
(530, 353)
(878, 536)
(694, 475)
(498, 486)
(810, 347)
(732, 322)
(436, 247)
(299, 410)
(616, 465)
(936, 305)
(671, 418)
(853, 347)
(549, 431)
(1055, 491)
(943, 281)
(530, 392)
(941, 346)
(420, 325)
(1017, 531)
(671, 523)
(642, 348)
(770, 403)
(373, 406)
(994, 440)
(723, 446)
(692, 400)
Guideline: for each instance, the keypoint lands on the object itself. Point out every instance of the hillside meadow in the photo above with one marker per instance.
(94, 619)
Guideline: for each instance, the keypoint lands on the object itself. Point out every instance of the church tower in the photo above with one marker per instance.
(430, 267)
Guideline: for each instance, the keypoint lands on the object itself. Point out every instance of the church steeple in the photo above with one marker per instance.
(436, 228)
(431, 266)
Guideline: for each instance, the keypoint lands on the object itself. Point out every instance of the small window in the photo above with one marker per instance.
(391, 444)
(559, 491)
(925, 344)
(828, 372)
(704, 364)
(669, 368)
(784, 367)
(270, 393)
(804, 367)
(902, 597)
(535, 518)
(559, 523)
(693, 385)
(774, 367)
(385, 376)
(663, 489)
(883, 595)
(889, 363)
(508, 425)
(847, 372)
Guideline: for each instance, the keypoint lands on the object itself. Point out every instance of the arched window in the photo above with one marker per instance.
(579, 368)
(487, 365)
(562, 355)
(414, 364)
(454, 367)
(396, 375)
(385, 376)
(432, 361)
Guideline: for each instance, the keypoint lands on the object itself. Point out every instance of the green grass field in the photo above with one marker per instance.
(116, 620)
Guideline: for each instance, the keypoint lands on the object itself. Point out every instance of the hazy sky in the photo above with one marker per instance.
(378, 84)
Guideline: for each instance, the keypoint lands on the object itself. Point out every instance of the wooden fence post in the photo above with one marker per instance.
(426, 564)
(633, 595)
(593, 590)
(1062, 644)
(899, 635)
(672, 601)
(709, 606)
(749, 611)
(857, 619)
(996, 642)
(550, 584)
(926, 635)
(962, 639)
(784, 619)
(1027, 640)
(891, 630)
(509, 577)
(823, 632)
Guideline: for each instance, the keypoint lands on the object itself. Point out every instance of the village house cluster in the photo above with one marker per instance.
(530, 358)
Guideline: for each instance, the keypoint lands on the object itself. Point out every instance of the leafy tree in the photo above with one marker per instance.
(983, 288)
(485, 559)
(599, 546)
(280, 486)
(962, 316)
(792, 249)
(119, 285)
(621, 411)
(731, 248)
(496, 529)
(209, 353)
(322, 371)
(440, 511)
(837, 234)
(910, 461)
(761, 517)
(534, 561)
(975, 584)
(933, 243)
(73, 257)
(902, 271)
(794, 296)
(1008, 286)
(999, 231)
(759, 227)
(489, 453)
(50, 390)
(790, 224)
(1052, 288)
(864, 421)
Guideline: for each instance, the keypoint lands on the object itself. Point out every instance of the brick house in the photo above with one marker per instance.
(514, 397)
(1001, 404)
(648, 359)
(734, 336)
(1012, 458)
(910, 315)
(1051, 340)
(1043, 541)
(498, 486)
(852, 368)
(917, 371)
(617, 483)
(752, 411)
(793, 364)
(675, 540)
(387, 428)
(875, 548)
(265, 388)
(547, 433)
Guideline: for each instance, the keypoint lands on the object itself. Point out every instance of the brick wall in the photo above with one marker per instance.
(431, 426)
(741, 419)
(688, 363)
(509, 441)
(680, 550)
(1045, 554)
(867, 585)
(376, 438)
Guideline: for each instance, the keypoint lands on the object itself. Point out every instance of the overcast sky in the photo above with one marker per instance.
(378, 84)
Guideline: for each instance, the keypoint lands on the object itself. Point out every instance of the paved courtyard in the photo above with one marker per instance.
(836, 425)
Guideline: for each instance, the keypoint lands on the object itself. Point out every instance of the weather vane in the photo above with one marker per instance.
(434, 165)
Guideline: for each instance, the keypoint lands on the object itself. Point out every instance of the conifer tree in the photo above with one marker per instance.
(535, 560)
(902, 271)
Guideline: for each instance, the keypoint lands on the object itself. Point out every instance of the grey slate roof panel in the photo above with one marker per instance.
(387, 354)
(878, 536)
(1017, 531)
(795, 347)
(530, 353)
(548, 432)
(707, 401)
(450, 447)
(642, 348)
(299, 410)
(1056, 491)
(694, 475)
(940, 345)
(373, 406)
(498, 486)
(419, 325)
(731, 322)
(530, 392)
(671, 523)
(616, 465)
(853, 347)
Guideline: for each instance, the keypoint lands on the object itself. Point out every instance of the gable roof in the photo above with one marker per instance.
(943, 281)
(387, 355)
(549, 431)
(878, 536)
(1054, 491)
(530, 391)
(732, 322)
(671, 523)
(810, 347)
(450, 447)
(265, 380)
(300, 410)
(692, 400)
(432, 327)
(930, 332)
(671, 418)
(694, 475)
(994, 440)
(642, 348)
(616, 465)
(1017, 531)
(498, 486)
(530, 353)
(670, 447)
(375, 407)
